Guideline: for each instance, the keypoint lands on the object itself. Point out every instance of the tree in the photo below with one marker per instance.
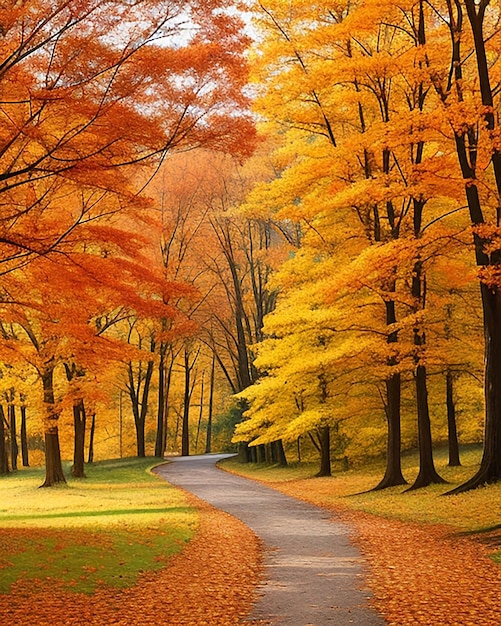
(89, 90)
(474, 138)
(313, 108)
(99, 273)
(357, 111)
(224, 256)
(305, 386)
(183, 233)
(90, 87)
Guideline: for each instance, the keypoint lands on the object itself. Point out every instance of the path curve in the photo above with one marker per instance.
(314, 575)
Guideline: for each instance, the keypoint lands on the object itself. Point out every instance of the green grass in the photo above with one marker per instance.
(469, 512)
(105, 529)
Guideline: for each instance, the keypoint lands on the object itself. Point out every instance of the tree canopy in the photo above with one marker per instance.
(300, 229)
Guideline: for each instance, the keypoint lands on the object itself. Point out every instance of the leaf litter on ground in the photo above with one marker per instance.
(212, 582)
(420, 573)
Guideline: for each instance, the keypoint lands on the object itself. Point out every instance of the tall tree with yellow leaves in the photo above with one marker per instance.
(356, 105)
(327, 62)
(468, 104)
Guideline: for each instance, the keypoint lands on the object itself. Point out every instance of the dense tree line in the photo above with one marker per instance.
(332, 282)
(94, 97)
(389, 145)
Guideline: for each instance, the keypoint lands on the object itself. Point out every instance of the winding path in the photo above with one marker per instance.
(313, 574)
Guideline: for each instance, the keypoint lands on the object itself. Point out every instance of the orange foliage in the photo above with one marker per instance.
(86, 87)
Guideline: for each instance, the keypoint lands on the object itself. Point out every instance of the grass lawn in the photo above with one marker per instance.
(475, 511)
(105, 529)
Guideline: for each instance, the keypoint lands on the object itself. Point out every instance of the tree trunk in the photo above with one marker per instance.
(452, 432)
(14, 448)
(75, 373)
(200, 413)
(138, 386)
(4, 457)
(160, 435)
(244, 375)
(393, 475)
(141, 426)
(280, 453)
(120, 424)
(166, 407)
(176, 430)
(490, 465)
(139, 401)
(53, 467)
(324, 438)
(208, 439)
(261, 453)
(490, 468)
(79, 419)
(185, 428)
(274, 456)
(245, 453)
(188, 392)
(427, 472)
(90, 457)
(24, 437)
(268, 454)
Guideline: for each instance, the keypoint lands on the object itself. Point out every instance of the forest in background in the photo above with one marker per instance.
(300, 230)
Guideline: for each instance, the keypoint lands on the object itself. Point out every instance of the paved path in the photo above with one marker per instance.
(314, 575)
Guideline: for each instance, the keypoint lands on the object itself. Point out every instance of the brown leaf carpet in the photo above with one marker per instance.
(420, 575)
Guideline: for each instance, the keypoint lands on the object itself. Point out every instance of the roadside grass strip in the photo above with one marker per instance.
(105, 530)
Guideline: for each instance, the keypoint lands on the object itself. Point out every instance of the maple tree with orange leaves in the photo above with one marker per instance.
(90, 92)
